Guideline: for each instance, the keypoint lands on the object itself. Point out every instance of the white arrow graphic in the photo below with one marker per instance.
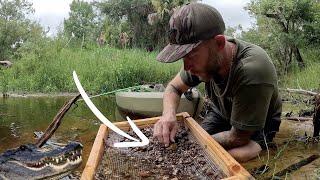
(144, 140)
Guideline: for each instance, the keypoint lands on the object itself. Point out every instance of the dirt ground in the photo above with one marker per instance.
(291, 147)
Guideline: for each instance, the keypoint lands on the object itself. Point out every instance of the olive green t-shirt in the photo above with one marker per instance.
(252, 101)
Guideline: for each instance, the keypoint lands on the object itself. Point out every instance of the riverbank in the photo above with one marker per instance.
(107, 69)
(66, 94)
(99, 70)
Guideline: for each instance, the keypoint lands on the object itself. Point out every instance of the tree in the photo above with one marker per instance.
(233, 31)
(15, 27)
(133, 17)
(163, 10)
(82, 21)
(129, 16)
(284, 23)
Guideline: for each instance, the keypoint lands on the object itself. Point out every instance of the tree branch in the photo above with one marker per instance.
(56, 122)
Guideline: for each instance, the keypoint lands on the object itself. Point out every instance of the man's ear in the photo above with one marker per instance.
(220, 41)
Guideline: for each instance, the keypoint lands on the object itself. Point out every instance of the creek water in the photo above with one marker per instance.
(21, 116)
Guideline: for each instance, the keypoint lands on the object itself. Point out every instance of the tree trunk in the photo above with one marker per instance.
(286, 58)
(299, 57)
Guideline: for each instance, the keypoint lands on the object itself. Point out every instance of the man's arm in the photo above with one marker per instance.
(172, 95)
(165, 129)
(233, 138)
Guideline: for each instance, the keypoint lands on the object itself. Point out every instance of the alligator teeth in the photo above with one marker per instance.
(57, 161)
(61, 159)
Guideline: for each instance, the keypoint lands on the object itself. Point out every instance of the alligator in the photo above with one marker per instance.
(41, 160)
(30, 162)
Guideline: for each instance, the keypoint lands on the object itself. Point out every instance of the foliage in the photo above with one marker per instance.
(282, 27)
(15, 27)
(49, 69)
(234, 31)
(307, 78)
(82, 22)
(131, 16)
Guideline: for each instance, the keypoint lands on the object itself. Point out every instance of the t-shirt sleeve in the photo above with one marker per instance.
(189, 79)
(250, 106)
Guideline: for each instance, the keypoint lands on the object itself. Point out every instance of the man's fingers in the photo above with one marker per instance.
(155, 130)
(173, 133)
(165, 135)
(158, 131)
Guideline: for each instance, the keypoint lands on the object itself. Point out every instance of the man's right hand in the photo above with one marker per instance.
(165, 129)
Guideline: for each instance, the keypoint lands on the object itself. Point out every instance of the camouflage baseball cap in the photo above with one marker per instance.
(189, 26)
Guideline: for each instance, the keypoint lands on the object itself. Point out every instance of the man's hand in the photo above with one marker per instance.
(233, 138)
(165, 129)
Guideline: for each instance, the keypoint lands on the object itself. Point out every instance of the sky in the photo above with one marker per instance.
(51, 13)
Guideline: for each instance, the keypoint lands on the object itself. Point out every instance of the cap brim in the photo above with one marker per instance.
(174, 52)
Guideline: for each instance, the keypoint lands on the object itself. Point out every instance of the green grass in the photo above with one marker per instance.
(309, 77)
(99, 70)
(46, 67)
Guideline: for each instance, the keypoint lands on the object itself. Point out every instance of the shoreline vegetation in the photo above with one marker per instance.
(106, 69)
(100, 70)
(111, 47)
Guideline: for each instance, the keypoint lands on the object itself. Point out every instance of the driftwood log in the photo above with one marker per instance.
(294, 166)
(316, 116)
(299, 91)
(300, 119)
(56, 122)
(6, 63)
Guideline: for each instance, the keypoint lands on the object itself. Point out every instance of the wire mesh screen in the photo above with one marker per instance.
(184, 159)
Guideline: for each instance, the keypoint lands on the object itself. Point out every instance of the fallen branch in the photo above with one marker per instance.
(56, 122)
(299, 118)
(6, 64)
(299, 91)
(295, 166)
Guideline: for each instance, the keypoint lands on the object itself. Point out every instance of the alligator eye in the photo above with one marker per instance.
(23, 147)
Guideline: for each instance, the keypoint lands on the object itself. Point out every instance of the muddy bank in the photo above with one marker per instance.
(294, 146)
(63, 94)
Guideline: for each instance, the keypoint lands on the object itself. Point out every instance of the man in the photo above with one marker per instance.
(239, 78)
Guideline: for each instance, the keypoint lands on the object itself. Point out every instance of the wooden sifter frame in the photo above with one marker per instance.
(215, 151)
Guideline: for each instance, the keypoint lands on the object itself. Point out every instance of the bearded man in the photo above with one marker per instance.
(240, 79)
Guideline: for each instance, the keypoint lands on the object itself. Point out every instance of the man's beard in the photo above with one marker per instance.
(213, 67)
